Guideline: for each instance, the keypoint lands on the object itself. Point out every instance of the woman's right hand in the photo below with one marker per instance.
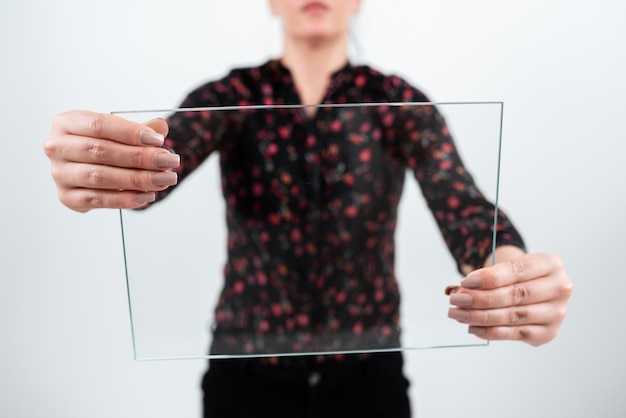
(104, 161)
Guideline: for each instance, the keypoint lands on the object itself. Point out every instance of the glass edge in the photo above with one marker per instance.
(312, 353)
(128, 295)
(332, 105)
(497, 191)
(303, 106)
(497, 195)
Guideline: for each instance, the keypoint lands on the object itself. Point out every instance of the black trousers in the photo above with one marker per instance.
(357, 386)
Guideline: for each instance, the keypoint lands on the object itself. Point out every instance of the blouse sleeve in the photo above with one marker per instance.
(463, 214)
(195, 134)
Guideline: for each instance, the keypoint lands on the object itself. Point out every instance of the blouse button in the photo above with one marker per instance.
(315, 378)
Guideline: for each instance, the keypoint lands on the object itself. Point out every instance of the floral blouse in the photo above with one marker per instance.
(312, 205)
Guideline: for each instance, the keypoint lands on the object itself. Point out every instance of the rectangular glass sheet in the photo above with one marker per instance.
(284, 241)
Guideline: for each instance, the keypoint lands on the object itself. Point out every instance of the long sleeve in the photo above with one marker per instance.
(463, 214)
(194, 135)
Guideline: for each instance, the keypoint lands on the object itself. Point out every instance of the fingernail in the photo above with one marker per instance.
(152, 138)
(477, 330)
(164, 179)
(461, 299)
(472, 282)
(451, 289)
(167, 160)
(145, 197)
(459, 314)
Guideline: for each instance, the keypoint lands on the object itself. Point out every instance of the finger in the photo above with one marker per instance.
(93, 176)
(83, 200)
(102, 125)
(526, 267)
(159, 125)
(517, 294)
(110, 153)
(531, 334)
(538, 314)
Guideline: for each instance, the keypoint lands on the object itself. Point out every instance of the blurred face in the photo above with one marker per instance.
(315, 19)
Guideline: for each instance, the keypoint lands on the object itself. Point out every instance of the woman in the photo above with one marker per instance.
(100, 161)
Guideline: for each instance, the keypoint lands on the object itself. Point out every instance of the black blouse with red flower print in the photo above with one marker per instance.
(312, 202)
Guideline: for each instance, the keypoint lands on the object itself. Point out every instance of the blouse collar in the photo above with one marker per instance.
(277, 67)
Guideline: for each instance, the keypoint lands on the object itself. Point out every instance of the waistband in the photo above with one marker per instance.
(298, 367)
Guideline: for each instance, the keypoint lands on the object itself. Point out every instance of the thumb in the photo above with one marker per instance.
(158, 125)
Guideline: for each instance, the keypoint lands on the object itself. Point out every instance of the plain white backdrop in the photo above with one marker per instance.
(558, 66)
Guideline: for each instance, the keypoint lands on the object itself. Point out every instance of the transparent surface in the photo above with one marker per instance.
(310, 198)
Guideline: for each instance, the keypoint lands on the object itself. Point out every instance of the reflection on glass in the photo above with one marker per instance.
(295, 239)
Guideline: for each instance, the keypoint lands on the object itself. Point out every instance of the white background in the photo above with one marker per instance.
(557, 65)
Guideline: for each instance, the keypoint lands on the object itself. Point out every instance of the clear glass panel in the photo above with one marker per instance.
(285, 241)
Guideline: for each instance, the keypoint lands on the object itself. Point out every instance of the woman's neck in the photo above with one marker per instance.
(312, 63)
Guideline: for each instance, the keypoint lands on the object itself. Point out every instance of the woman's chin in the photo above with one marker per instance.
(319, 34)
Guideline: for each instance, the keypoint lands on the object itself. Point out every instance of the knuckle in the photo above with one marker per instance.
(58, 121)
(50, 148)
(555, 261)
(517, 315)
(522, 334)
(139, 158)
(95, 122)
(552, 333)
(55, 172)
(566, 288)
(519, 293)
(539, 338)
(99, 152)
(137, 181)
(518, 267)
(92, 200)
(68, 198)
(94, 177)
(561, 313)
(63, 196)
(484, 319)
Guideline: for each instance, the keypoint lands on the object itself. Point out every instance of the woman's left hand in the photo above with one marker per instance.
(521, 297)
